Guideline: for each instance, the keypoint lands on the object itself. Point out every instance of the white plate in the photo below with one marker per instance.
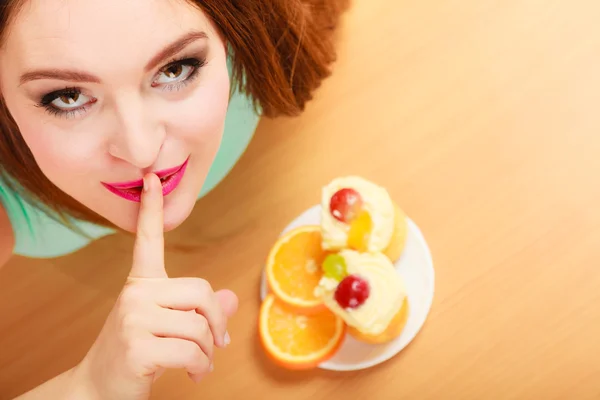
(416, 267)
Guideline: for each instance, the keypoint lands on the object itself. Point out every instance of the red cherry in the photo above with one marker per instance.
(345, 204)
(352, 292)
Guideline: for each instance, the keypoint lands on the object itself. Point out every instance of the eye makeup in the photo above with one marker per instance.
(174, 76)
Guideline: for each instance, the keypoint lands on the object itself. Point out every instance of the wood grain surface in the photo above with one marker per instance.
(481, 118)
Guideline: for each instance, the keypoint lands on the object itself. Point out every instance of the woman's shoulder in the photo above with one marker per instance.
(38, 235)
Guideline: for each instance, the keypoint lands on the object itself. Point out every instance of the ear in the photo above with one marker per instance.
(282, 50)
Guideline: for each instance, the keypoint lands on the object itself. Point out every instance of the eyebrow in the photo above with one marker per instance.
(175, 47)
(79, 76)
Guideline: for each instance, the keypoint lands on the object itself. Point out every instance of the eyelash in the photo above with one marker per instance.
(46, 100)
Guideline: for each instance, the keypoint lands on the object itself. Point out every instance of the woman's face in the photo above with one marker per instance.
(106, 91)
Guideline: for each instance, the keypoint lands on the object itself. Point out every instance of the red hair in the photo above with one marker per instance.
(282, 50)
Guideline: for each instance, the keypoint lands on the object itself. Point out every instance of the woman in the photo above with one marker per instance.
(118, 115)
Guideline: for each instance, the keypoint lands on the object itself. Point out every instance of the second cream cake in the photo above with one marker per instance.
(365, 290)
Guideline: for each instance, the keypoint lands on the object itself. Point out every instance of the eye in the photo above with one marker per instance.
(70, 101)
(174, 73)
(66, 102)
(178, 72)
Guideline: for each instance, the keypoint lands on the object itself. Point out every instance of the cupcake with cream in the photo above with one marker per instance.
(365, 290)
(360, 215)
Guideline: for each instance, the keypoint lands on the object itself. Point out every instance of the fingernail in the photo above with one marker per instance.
(227, 339)
(145, 184)
(211, 368)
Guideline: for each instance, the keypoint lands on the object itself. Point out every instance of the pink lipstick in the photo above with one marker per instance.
(132, 190)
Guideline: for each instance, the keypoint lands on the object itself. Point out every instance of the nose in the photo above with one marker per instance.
(138, 137)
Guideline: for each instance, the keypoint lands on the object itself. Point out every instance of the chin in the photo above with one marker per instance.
(176, 214)
(176, 210)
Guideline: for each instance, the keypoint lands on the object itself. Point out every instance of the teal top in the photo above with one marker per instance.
(38, 235)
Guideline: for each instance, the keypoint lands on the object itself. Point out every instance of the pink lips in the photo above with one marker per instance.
(132, 190)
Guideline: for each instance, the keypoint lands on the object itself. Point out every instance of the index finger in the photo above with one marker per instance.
(148, 251)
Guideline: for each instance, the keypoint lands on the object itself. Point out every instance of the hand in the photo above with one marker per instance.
(157, 322)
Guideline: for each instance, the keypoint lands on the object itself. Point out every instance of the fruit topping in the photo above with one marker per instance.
(345, 204)
(334, 267)
(360, 232)
(352, 292)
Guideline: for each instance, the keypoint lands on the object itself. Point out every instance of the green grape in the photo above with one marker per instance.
(334, 267)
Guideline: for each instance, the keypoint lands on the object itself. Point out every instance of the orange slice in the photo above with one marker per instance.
(293, 267)
(298, 341)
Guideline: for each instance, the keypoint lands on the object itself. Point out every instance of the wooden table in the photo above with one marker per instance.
(481, 118)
